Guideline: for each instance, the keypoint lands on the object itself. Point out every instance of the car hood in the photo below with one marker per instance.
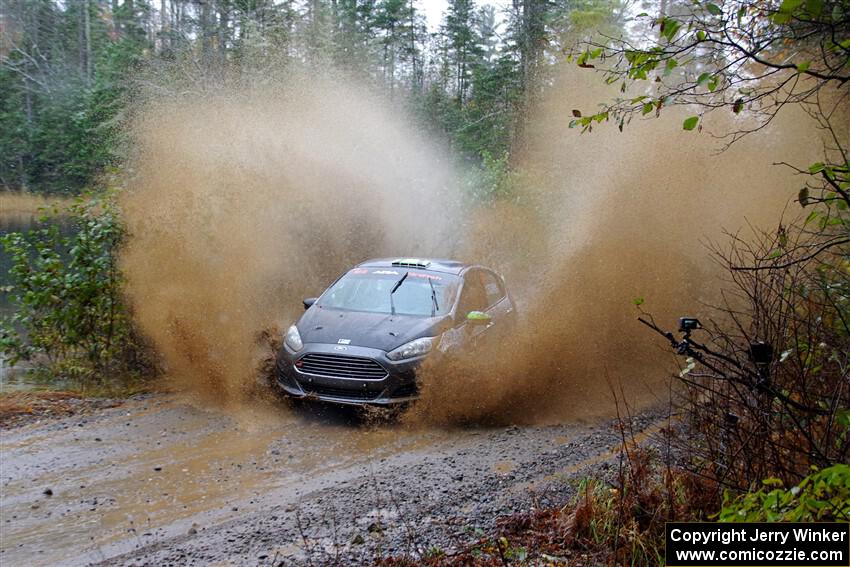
(370, 330)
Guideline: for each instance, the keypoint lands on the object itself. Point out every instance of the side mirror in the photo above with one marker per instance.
(478, 318)
(309, 302)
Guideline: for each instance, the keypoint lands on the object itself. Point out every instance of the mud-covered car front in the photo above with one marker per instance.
(363, 339)
(348, 374)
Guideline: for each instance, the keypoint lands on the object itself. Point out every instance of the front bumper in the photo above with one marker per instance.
(398, 385)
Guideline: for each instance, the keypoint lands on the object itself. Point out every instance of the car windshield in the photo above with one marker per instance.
(368, 289)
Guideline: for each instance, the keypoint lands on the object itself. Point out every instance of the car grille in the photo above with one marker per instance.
(338, 366)
(339, 392)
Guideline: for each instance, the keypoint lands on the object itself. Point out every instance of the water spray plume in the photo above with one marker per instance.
(247, 199)
(599, 220)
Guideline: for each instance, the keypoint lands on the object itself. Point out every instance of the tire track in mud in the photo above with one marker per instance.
(158, 481)
(438, 493)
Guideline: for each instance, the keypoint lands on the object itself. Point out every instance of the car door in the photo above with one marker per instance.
(499, 307)
(473, 297)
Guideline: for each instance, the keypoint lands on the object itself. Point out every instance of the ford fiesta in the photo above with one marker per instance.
(362, 340)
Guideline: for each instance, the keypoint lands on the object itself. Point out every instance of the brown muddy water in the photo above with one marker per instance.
(248, 197)
(245, 199)
(163, 480)
(160, 468)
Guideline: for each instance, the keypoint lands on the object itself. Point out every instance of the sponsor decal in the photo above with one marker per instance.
(359, 271)
(385, 272)
(344, 342)
(426, 276)
(340, 348)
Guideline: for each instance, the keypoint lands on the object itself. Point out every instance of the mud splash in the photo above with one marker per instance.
(598, 220)
(247, 199)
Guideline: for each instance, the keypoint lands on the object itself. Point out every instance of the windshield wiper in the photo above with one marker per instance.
(395, 287)
(436, 306)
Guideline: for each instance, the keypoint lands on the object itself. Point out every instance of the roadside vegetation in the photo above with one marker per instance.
(621, 521)
(69, 320)
(762, 403)
(20, 408)
(22, 205)
(763, 393)
(765, 384)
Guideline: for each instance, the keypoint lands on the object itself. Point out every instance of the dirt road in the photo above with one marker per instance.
(158, 481)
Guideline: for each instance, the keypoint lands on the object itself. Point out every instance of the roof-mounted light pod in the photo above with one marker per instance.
(411, 263)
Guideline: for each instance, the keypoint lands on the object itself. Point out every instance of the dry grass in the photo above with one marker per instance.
(23, 406)
(19, 408)
(620, 523)
(22, 205)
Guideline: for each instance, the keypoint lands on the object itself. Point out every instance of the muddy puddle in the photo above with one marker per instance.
(84, 489)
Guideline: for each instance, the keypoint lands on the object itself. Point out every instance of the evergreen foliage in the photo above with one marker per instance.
(67, 67)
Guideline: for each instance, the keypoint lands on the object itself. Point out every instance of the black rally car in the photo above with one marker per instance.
(361, 341)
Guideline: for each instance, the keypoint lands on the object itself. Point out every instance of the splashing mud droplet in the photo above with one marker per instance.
(598, 220)
(245, 199)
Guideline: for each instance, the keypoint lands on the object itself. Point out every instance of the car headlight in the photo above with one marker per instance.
(413, 348)
(292, 339)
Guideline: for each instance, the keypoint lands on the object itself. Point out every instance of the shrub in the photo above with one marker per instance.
(69, 319)
(765, 387)
(823, 496)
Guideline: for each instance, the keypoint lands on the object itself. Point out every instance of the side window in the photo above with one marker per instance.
(492, 287)
(473, 297)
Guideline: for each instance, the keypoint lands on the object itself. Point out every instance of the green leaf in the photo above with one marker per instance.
(669, 28)
(690, 123)
(816, 168)
(713, 9)
(647, 108)
(814, 7)
(703, 78)
(638, 301)
(780, 18)
(700, 35)
(803, 67)
(788, 6)
(738, 106)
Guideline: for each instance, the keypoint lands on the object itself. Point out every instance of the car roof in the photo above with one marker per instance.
(428, 264)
